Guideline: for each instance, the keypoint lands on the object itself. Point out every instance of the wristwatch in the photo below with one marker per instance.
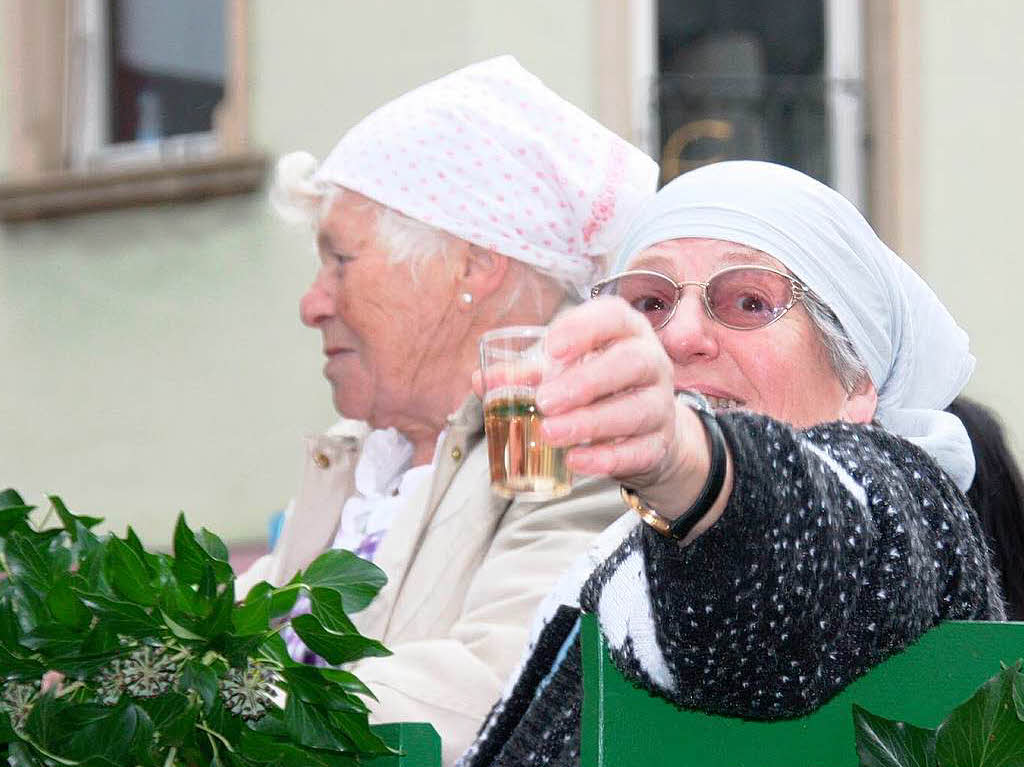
(681, 526)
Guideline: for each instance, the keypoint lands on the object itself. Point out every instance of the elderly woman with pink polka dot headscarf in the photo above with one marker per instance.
(476, 201)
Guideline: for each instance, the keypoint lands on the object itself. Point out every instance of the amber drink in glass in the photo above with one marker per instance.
(512, 361)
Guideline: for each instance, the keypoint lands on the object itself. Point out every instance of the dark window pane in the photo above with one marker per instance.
(167, 64)
(741, 81)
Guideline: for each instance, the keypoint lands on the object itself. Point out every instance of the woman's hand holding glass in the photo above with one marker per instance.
(611, 400)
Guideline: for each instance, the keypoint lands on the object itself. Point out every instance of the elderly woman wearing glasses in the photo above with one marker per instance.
(479, 200)
(766, 381)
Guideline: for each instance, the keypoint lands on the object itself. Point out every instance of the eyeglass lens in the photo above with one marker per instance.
(740, 298)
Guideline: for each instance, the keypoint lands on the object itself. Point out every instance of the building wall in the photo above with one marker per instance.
(152, 359)
(972, 160)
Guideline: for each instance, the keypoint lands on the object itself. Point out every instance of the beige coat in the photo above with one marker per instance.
(466, 569)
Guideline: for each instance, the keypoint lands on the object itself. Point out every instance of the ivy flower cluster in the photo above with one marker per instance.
(149, 671)
(17, 701)
(248, 692)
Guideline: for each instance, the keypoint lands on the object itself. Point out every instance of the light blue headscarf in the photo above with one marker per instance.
(916, 354)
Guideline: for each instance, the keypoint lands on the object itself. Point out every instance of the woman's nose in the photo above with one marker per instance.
(691, 333)
(316, 304)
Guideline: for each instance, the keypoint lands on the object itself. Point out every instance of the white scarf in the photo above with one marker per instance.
(493, 156)
(916, 354)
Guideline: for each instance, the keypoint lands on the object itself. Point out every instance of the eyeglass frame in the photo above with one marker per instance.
(798, 291)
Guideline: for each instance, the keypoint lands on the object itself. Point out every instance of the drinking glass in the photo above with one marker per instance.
(512, 360)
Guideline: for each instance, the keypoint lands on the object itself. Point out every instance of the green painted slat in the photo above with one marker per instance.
(419, 743)
(624, 726)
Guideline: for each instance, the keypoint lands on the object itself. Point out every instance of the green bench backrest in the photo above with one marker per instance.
(624, 726)
(418, 742)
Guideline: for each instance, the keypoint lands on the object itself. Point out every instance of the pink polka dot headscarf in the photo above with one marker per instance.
(491, 155)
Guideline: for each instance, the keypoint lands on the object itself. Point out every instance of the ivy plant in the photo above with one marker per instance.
(111, 654)
(985, 731)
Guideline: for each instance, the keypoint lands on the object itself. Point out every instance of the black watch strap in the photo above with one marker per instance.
(683, 524)
(680, 527)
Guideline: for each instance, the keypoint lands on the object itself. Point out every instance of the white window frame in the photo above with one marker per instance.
(846, 116)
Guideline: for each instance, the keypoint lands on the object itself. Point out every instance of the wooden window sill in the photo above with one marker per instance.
(64, 194)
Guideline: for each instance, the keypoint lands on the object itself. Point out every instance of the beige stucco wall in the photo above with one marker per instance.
(972, 162)
(4, 94)
(152, 359)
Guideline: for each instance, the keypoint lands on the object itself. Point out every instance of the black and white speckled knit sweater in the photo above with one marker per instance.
(840, 545)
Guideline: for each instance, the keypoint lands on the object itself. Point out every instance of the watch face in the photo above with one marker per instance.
(693, 399)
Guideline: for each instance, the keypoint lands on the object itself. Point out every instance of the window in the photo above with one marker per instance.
(775, 80)
(120, 102)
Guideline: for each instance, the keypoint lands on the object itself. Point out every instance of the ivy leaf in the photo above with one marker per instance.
(238, 648)
(282, 600)
(310, 726)
(333, 647)
(10, 497)
(887, 743)
(114, 733)
(172, 716)
(53, 639)
(357, 580)
(253, 615)
(219, 619)
(984, 731)
(274, 648)
(44, 720)
(6, 731)
(180, 631)
(325, 604)
(348, 681)
(27, 561)
(128, 574)
(82, 664)
(66, 608)
(311, 686)
(1018, 692)
(357, 728)
(72, 521)
(18, 666)
(100, 639)
(12, 517)
(202, 679)
(190, 558)
(263, 749)
(212, 545)
(10, 631)
(120, 617)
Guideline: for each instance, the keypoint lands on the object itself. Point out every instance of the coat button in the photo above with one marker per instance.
(456, 453)
(321, 459)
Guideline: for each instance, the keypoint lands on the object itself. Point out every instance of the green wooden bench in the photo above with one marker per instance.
(624, 726)
(418, 742)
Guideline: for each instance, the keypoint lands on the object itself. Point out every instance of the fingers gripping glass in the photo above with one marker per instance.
(740, 297)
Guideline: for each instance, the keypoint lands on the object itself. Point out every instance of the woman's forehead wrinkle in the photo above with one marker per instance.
(666, 264)
(655, 263)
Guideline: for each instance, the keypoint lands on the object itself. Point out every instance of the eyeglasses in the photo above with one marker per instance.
(739, 297)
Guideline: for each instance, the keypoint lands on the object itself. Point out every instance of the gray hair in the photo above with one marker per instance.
(298, 197)
(847, 365)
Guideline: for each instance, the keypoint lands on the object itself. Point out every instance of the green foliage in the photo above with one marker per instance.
(160, 665)
(985, 731)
